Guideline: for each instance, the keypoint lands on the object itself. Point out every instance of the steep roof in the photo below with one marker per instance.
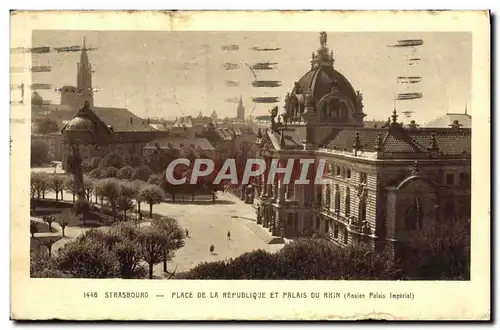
(346, 138)
(288, 136)
(450, 141)
(179, 143)
(184, 122)
(121, 120)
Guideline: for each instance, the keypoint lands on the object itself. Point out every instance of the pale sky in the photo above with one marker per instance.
(168, 74)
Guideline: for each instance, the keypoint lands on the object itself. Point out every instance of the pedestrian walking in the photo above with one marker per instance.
(228, 235)
(212, 249)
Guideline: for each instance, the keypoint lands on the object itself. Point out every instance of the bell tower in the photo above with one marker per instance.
(84, 78)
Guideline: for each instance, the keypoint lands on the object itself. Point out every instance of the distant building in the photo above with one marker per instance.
(100, 130)
(241, 110)
(214, 117)
(180, 144)
(374, 123)
(451, 119)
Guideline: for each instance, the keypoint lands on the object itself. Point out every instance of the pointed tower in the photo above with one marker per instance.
(241, 110)
(84, 77)
(214, 116)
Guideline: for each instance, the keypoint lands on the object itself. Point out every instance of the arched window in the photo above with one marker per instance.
(347, 203)
(362, 210)
(414, 216)
(328, 197)
(337, 199)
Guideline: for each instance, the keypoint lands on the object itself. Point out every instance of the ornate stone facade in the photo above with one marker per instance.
(385, 184)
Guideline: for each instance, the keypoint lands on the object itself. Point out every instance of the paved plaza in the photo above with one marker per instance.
(207, 223)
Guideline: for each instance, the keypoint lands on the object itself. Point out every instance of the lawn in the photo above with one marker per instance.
(44, 228)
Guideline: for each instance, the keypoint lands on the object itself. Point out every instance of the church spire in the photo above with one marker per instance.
(84, 77)
(241, 109)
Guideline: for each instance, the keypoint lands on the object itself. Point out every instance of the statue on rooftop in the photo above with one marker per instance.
(323, 39)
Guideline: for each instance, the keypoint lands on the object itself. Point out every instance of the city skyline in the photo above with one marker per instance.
(192, 78)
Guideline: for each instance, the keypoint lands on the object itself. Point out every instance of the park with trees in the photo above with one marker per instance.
(122, 241)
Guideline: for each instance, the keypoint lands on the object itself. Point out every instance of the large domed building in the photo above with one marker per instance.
(333, 98)
(385, 185)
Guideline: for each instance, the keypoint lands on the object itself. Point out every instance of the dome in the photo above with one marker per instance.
(332, 96)
(80, 124)
(320, 82)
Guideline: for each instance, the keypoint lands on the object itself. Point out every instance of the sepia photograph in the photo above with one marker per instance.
(310, 155)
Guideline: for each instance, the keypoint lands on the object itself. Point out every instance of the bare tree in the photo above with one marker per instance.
(56, 184)
(49, 219)
(48, 242)
(64, 221)
(33, 228)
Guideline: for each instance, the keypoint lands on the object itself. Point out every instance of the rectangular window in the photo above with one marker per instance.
(348, 173)
(337, 170)
(450, 179)
(336, 231)
(346, 236)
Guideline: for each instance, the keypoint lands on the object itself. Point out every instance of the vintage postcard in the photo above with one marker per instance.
(250, 165)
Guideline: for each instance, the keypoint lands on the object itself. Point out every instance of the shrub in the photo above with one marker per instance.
(109, 172)
(125, 173)
(87, 259)
(141, 173)
(95, 173)
(106, 210)
(81, 206)
(111, 159)
(302, 260)
(42, 266)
